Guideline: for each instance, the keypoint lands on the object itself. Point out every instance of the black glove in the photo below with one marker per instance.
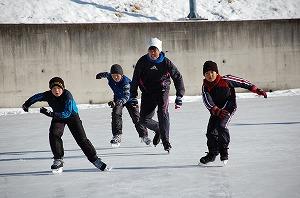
(178, 102)
(134, 102)
(25, 107)
(102, 75)
(45, 111)
(111, 104)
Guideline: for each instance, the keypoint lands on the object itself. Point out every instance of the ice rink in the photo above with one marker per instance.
(264, 156)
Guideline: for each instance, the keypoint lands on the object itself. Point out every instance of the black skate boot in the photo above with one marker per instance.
(57, 166)
(167, 146)
(115, 141)
(101, 165)
(156, 138)
(224, 155)
(210, 157)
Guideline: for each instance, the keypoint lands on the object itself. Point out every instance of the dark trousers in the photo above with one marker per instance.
(75, 125)
(218, 137)
(148, 104)
(116, 123)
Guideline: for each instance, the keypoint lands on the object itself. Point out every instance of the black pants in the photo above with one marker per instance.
(75, 125)
(116, 123)
(148, 104)
(218, 137)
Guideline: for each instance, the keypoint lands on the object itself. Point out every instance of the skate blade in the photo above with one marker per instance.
(115, 145)
(225, 162)
(57, 171)
(211, 164)
(107, 169)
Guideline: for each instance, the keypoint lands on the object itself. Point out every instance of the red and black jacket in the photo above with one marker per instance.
(221, 92)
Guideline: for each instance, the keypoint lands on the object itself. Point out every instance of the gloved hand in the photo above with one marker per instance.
(178, 102)
(102, 75)
(45, 111)
(134, 102)
(111, 104)
(24, 107)
(261, 93)
(118, 103)
(258, 91)
(222, 113)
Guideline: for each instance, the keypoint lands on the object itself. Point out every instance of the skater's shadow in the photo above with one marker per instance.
(94, 170)
(46, 155)
(265, 123)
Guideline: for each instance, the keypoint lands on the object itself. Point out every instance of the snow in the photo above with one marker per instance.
(263, 155)
(116, 11)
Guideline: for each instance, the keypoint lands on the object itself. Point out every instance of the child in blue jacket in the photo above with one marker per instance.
(120, 85)
(219, 97)
(64, 112)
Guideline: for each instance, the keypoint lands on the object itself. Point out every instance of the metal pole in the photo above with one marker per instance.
(193, 10)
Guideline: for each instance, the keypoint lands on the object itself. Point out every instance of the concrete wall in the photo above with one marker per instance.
(265, 52)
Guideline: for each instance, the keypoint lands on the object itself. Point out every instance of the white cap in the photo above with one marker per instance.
(156, 43)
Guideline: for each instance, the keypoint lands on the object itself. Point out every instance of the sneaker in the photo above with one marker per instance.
(224, 154)
(57, 163)
(167, 146)
(146, 140)
(115, 141)
(101, 165)
(208, 158)
(156, 139)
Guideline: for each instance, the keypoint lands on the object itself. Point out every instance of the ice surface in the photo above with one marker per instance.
(264, 156)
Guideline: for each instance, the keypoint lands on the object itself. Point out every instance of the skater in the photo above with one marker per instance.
(219, 97)
(120, 85)
(64, 112)
(152, 75)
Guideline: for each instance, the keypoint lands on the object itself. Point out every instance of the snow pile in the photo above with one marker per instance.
(114, 11)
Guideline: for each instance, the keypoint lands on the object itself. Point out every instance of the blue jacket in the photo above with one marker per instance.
(63, 106)
(121, 89)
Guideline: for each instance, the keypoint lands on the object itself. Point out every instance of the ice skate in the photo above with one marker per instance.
(101, 165)
(146, 140)
(224, 155)
(115, 141)
(156, 138)
(207, 159)
(57, 166)
(167, 146)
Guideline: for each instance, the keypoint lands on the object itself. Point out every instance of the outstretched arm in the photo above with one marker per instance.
(102, 75)
(33, 99)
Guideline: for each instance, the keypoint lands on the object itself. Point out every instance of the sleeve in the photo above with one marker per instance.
(126, 93)
(177, 79)
(235, 81)
(102, 75)
(36, 98)
(207, 99)
(135, 79)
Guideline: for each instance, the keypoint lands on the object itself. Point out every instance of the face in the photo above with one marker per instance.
(57, 91)
(210, 75)
(153, 53)
(116, 77)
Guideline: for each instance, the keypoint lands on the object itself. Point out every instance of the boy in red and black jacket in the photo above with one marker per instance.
(219, 97)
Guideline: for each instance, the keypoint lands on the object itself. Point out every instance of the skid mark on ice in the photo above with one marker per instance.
(266, 123)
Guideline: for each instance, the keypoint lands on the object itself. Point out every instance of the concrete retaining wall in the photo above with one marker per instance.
(265, 52)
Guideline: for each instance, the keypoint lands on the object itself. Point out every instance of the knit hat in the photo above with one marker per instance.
(155, 42)
(116, 69)
(210, 65)
(56, 81)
